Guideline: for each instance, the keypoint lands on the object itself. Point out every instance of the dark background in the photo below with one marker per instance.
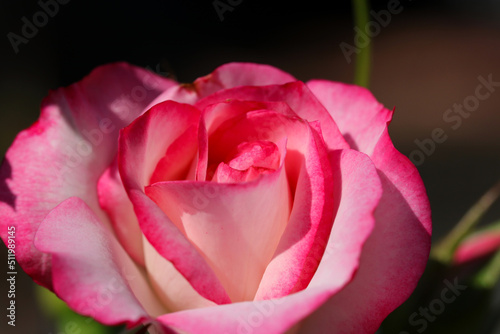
(428, 58)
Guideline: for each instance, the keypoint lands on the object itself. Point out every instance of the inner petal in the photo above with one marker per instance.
(262, 153)
(236, 226)
(247, 162)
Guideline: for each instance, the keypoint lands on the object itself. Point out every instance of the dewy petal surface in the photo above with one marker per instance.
(65, 152)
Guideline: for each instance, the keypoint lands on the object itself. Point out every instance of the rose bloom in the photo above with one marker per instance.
(245, 202)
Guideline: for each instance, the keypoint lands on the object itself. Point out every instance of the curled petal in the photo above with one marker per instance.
(143, 144)
(395, 254)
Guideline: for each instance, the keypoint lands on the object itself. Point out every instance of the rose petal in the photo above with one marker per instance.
(67, 150)
(170, 286)
(395, 255)
(296, 95)
(114, 200)
(172, 245)
(248, 162)
(226, 76)
(184, 146)
(240, 74)
(477, 246)
(219, 114)
(357, 193)
(146, 142)
(265, 316)
(302, 237)
(309, 225)
(180, 93)
(337, 267)
(89, 272)
(359, 116)
(236, 227)
(142, 146)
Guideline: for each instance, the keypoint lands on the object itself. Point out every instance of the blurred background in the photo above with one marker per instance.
(426, 59)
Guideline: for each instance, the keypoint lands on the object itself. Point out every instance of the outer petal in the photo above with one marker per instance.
(66, 151)
(143, 144)
(360, 117)
(226, 76)
(88, 269)
(356, 185)
(114, 200)
(240, 74)
(296, 95)
(396, 253)
(274, 316)
(181, 94)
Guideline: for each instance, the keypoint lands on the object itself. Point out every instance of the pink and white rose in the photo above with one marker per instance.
(246, 202)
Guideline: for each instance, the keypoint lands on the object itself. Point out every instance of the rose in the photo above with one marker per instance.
(245, 202)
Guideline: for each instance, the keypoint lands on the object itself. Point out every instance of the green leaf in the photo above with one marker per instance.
(489, 275)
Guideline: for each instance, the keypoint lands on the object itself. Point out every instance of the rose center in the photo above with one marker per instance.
(247, 162)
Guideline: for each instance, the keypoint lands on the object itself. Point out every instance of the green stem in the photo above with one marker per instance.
(361, 18)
